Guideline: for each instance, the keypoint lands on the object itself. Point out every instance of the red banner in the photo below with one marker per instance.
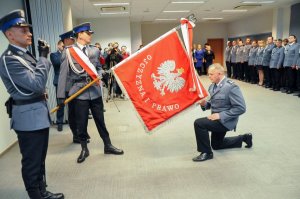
(158, 80)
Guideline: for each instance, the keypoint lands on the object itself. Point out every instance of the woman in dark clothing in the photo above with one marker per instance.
(209, 56)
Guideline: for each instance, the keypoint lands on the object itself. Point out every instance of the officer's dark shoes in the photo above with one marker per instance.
(110, 149)
(203, 156)
(59, 127)
(247, 138)
(83, 154)
(49, 195)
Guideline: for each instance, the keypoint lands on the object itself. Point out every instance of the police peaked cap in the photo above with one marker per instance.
(12, 19)
(67, 35)
(83, 27)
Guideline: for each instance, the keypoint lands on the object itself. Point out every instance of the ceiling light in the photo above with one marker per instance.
(170, 11)
(257, 2)
(183, 2)
(165, 19)
(110, 4)
(113, 13)
(212, 18)
(234, 10)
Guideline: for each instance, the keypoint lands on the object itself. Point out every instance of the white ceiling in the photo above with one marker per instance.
(147, 11)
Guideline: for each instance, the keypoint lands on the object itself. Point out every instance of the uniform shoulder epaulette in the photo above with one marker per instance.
(230, 81)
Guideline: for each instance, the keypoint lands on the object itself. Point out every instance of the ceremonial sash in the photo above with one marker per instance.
(83, 61)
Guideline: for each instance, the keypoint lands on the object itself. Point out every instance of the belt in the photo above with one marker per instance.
(29, 101)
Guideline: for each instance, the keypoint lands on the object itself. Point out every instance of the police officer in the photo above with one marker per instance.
(89, 99)
(55, 58)
(233, 59)
(227, 58)
(68, 40)
(251, 62)
(298, 72)
(25, 79)
(246, 67)
(239, 60)
(259, 62)
(266, 61)
(291, 55)
(226, 104)
(276, 62)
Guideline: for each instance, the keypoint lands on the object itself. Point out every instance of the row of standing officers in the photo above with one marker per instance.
(273, 64)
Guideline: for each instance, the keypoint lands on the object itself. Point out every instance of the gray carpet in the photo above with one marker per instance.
(159, 165)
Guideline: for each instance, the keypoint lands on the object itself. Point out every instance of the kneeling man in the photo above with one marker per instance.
(227, 104)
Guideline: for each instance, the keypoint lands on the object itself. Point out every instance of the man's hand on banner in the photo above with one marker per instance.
(202, 102)
(214, 116)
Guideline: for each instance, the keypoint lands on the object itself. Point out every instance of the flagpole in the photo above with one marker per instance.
(76, 94)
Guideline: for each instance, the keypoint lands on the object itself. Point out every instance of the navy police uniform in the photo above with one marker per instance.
(25, 80)
(227, 59)
(55, 58)
(291, 54)
(251, 63)
(276, 63)
(227, 100)
(72, 78)
(266, 64)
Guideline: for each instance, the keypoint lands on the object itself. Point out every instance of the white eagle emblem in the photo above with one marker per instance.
(168, 79)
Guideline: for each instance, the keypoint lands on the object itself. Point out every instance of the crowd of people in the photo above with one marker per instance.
(273, 64)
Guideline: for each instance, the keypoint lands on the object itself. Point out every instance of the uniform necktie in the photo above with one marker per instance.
(84, 50)
(214, 88)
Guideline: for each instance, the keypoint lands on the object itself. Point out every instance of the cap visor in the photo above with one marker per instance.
(24, 25)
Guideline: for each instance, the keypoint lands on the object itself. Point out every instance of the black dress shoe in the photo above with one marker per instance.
(49, 195)
(289, 92)
(247, 138)
(203, 157)
(110, 149)
(83, 154)
(59, 127)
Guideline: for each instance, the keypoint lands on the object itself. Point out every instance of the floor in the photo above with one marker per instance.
(160, 166)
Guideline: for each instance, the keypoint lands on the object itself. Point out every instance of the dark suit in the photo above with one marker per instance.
(227, 100)
(56, 61)
(30, 114)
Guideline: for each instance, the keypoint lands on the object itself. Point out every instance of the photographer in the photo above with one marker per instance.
(111, 60)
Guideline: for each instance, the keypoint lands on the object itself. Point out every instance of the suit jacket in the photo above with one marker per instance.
(70, 82)
(259, 56)
(56, 61)
(31, 83)
(277, 57)
(267, 54)
(291, 55)
(228, 101)
(252, 56)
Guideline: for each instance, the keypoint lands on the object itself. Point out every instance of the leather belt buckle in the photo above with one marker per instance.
(88, 80)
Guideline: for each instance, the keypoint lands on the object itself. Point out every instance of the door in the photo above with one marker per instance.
(217, 46)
